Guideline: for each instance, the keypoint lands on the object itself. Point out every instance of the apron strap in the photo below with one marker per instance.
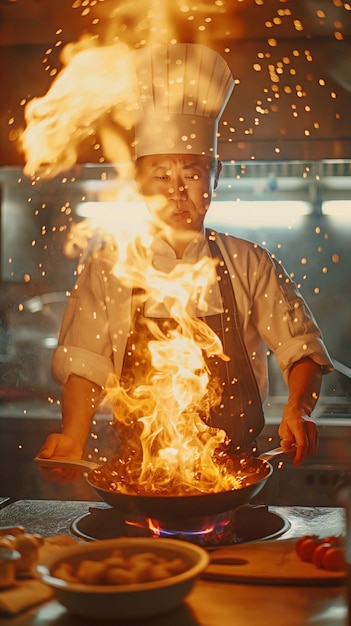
(240, 412)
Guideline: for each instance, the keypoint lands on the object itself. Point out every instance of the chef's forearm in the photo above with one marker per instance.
(304, 384)
(80, 399)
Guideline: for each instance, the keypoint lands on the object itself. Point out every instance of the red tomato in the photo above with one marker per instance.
(333, 559)
(335, 540)
(301, 540)
(319, 553)
(307, 547)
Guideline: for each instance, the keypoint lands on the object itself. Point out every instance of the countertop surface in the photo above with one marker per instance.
(52, 517)
(210, 603)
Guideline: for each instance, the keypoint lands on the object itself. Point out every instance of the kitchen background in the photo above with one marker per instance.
(285, 140)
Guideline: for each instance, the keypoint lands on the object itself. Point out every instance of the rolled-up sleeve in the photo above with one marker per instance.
(284, 320)
(273, 313)
(88, 340)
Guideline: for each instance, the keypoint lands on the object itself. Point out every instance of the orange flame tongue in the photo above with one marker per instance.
(175, 440)
(161, 414)
(178, 450)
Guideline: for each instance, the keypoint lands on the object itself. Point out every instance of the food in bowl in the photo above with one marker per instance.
(120, 569)
(158, 573)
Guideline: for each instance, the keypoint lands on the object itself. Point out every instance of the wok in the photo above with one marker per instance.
(134, 506)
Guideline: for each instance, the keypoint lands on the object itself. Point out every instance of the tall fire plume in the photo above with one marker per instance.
(165, 441)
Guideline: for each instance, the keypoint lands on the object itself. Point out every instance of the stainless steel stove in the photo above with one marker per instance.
(246, 523)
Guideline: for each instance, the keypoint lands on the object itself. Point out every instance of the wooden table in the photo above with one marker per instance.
(209, 603)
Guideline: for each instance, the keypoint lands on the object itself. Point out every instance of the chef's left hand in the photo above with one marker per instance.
(59, 445)
(299, 433)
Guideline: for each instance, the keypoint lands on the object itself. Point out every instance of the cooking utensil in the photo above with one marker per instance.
(63, 463)
(256, 470)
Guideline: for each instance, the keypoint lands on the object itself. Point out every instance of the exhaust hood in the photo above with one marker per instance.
(291, 62)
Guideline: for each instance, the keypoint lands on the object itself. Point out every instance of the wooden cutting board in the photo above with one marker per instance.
(272, 562)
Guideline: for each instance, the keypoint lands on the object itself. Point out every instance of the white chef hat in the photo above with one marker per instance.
(182, 90)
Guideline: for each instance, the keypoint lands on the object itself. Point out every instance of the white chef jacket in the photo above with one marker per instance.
(273, 314)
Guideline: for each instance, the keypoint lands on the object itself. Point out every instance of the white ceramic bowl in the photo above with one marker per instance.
(130, 601)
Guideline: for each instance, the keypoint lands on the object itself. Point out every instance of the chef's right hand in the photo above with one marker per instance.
(59, 445)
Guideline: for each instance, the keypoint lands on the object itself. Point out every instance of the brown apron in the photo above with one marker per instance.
(239, 411)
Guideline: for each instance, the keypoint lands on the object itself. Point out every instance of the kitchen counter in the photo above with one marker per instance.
(51, 517)
(222, 604)
(209, 603)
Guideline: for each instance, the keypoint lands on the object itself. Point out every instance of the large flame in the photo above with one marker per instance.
(94, 91)
(166, 443)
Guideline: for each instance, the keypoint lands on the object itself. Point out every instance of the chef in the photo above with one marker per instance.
(253, 306)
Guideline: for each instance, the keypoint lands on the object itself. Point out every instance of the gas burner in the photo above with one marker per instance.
(246, 523)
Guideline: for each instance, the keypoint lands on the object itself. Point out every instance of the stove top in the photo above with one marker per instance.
(246, 523)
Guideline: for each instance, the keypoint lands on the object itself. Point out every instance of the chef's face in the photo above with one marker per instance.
(178, 188)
